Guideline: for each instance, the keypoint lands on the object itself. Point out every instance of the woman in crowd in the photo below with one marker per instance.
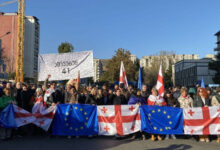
(216, 102)
(5, 133)
(185, 100)
(155, 99)
(171, 102)
(136, 98)
(202, 100)
(74, 96)
(92, 97)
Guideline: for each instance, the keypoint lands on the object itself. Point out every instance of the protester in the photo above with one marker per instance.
(119, 98)
(124, 92)
(216, 102)
(176, 93)
(67, 94)
(171, 102)
(202, 100)
(92, 98)
(185, 100)
(144, 92)
(74, 99)
(136, 98)
(155, 99)
(5, 133)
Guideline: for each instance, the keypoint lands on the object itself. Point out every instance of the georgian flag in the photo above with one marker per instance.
(22, 117)
(160, 83)
(202, 120)
(123, 78)
(118, 119)
(44, 116)
(47, 94)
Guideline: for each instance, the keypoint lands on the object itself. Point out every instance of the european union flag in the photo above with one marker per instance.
(161, 120)
(7, 119)
(140, 79)
(75, 120)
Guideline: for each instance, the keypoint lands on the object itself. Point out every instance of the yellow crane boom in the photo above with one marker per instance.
(20, 44)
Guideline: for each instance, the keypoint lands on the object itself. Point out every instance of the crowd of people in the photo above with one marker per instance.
(51, 94)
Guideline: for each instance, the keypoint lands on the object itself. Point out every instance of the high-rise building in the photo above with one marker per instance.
(218, 42)
(97, 69)
(9, 23)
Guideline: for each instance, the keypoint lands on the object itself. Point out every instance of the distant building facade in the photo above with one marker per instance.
(147, 61)
(9, 23)
(190, 72)
(97, 69)
(217, 49)
(133, 58)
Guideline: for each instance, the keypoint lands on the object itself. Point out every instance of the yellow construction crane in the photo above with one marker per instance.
(20, 47)
(20, 39)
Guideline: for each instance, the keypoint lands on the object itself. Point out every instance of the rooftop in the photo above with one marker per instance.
(218, 33)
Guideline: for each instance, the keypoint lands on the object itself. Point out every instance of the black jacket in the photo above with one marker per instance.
(145, 95)
(90, 99)
(119, 100)
(197, 102)
(55, 97)
(25, 100)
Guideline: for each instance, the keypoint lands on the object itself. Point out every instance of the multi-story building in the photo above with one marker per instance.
(218, 42)
(147, 61)
(9, 23)
(133, 58)
(190, 72)
(97, 69)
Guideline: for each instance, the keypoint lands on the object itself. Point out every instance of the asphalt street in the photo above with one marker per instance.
(103, 143)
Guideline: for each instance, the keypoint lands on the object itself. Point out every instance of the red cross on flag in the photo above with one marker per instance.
(202, 120)
(44, 116)
(160, 83)
(119, 119)
(123, 77)
(22, 117)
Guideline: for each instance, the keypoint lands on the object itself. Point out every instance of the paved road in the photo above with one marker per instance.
(103, 143)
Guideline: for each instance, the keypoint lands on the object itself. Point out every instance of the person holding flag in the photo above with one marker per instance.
(156, 99)
(5, 133)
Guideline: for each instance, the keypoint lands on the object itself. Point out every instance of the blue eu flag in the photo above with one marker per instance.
(75, 120)
(161, 120)
(7, 119)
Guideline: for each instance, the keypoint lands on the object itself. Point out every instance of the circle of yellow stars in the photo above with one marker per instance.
(165, 114)
(68, 125)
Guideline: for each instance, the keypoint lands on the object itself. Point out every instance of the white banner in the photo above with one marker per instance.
(65, 66)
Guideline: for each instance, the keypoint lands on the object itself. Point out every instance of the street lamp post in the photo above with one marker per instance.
(5, 34)
(2, 65)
